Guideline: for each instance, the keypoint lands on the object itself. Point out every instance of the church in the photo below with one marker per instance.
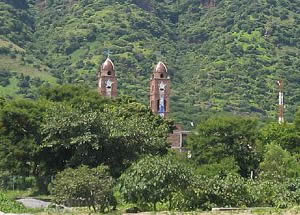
(160, 91)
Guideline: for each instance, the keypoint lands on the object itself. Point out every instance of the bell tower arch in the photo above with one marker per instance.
(108, 83)
(160, 90)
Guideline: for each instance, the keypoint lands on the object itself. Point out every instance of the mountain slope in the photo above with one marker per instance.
(237, 51)
(20, 70)
(223, 55)
(74, 40)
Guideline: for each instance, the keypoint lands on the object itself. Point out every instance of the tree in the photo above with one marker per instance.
(68, 127)
(75, 95)
(21, 151)
(154, 179)
(84, 187)
(20, 137)
(279, 164)
(115, 136)
(72, 137)
(285, 135)
(222, 168)
(226, 136)
(297, 120)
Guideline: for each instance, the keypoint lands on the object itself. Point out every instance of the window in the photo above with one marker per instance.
(161, 75)
(109, 73)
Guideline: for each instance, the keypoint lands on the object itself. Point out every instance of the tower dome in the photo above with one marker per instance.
(161, 67)
(108, 65)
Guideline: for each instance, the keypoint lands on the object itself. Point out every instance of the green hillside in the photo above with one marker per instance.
(223, 55)
(21, 72)
(235, 53)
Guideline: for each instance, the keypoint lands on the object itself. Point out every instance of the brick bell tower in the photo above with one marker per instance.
(160, 90)
(108, 83)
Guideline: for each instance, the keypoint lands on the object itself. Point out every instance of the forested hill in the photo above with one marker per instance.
(222, 55)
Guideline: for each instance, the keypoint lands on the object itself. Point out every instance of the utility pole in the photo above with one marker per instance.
(281, 102)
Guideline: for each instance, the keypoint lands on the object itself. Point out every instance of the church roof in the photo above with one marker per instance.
(108, 65)
(161, 67)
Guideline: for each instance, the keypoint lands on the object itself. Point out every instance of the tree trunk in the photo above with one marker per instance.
(154, 206)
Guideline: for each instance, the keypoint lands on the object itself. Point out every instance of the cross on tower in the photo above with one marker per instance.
(107, 52)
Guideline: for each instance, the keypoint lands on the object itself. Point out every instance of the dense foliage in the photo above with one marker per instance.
(84, 187)
(279, 164)
(222, 56)
(219, 138)
(234, 161)
(153, 180)
(225, 56)
(235, 191)
(69, 126)
(10, 206)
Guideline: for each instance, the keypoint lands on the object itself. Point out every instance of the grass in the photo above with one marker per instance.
(8, 44)
(16, 65)
(85, 211)
(11, 89)
(16, 194)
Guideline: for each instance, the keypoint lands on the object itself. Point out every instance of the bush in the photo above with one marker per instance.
(84, 187)
(272, 193)
(155, 179)
(4, 50)
(222, 168)
(4, 78)
(229, 191)
(9, 206)
(234, 191)
(278, 164)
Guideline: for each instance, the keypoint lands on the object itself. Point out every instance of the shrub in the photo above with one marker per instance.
(4, 78)
(222, 168)
(234, 191)
(155, 179)
(10, 206)
(218, 191)
(272, 193)
(278, 164)
(84, 187)
(4, 50)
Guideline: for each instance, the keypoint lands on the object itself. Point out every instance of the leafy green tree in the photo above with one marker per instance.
(84, 186)
(77, 95)
(72, 137)
(286, 135)
(73, 125)
(20, 123)
(154, 179)
(223, 137)
(223, 167)
(115, 136)
(297, 120)
(279, 164)
(78, 132)
(20, 137)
